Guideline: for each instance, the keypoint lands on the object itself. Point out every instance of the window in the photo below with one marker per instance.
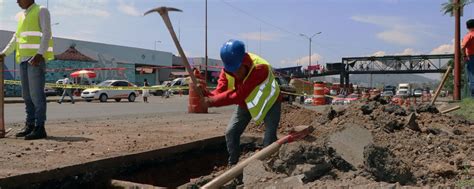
(120, 84)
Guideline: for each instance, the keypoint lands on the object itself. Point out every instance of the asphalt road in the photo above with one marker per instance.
(15, 113)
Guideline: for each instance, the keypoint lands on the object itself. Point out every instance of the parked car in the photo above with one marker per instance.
(180, 82)
(48, 91)
(159, 92)
(59, 90)
(286, 87)
(104, 94)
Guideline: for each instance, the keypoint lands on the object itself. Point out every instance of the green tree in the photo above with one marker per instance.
(449, 84)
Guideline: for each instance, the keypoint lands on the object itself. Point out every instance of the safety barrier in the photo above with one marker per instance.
(318, 97)
(74, 86)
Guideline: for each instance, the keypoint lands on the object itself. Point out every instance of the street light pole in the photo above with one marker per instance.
(310, 41)
(205, 72)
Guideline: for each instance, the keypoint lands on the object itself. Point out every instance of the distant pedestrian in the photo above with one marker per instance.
(33, 44)
(146, 92)
(66, 91)
(467, 47)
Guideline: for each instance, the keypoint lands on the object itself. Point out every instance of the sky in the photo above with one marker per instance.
(270, 28)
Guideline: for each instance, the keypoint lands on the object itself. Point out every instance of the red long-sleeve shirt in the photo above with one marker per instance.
(468, 43)
(221, 96)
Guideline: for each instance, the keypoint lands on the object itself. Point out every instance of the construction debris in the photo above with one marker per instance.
(373, 145)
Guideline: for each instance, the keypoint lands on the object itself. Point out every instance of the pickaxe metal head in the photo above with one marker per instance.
(162, 10)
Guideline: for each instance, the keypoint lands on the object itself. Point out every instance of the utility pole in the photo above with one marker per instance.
(457, 51)
(205, 74)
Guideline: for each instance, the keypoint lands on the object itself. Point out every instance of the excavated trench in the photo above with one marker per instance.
(168, 167)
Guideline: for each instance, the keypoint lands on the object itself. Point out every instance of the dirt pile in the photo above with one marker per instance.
(429, 149)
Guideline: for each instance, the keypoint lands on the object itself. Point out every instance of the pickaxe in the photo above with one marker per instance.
(164, 14)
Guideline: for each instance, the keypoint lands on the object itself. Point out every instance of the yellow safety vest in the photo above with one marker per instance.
(28, 36)
(262, 98)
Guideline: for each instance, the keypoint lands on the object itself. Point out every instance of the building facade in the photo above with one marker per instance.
(136, 64)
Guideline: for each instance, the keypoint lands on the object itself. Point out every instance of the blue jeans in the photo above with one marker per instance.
(469, 70)
(239, 121)
(32, 88)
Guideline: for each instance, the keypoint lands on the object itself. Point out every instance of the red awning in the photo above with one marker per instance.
(179, 73)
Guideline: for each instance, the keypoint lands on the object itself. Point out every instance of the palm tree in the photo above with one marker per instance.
(448, 7)
(455, 8)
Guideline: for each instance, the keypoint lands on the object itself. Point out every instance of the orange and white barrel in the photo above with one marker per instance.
(318, 97)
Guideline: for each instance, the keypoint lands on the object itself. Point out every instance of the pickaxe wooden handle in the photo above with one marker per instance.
(299, 133)
(163, 11)
(440, 86)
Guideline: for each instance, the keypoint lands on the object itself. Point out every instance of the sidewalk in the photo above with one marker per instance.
(13, 100)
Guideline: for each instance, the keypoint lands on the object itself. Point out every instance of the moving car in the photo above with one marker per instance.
(403, 93)
(308, 100)
(104, 94)
(339, 100)
(387, 94)
(404, 89)
(390, 88)
(352, 98)
(417, 92)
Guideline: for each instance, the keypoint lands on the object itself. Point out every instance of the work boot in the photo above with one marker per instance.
(26, 130)
(38, 133)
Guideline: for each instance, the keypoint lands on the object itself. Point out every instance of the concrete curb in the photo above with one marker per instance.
(17, 101)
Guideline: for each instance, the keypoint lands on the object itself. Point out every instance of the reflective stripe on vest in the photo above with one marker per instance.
(262, 98)
(28, 36)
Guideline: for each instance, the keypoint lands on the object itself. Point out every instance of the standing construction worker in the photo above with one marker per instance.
(246, 80)
(34, 46)
(467, 47)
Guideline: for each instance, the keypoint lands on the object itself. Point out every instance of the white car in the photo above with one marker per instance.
(308, 100)
(104, 94)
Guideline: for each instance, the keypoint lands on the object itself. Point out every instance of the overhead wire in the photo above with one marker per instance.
(330, 50)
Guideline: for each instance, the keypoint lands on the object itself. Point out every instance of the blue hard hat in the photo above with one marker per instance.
(232, 54)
